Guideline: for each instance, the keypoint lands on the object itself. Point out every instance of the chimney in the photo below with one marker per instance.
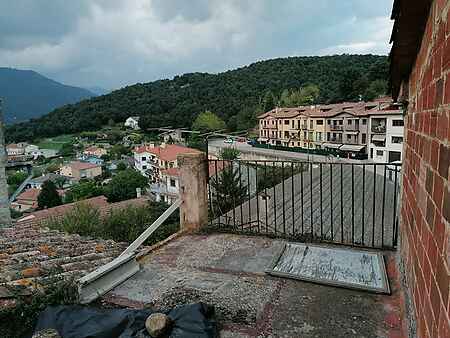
(5, 214)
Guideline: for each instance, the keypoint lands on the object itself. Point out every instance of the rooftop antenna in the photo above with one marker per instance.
(5, 213)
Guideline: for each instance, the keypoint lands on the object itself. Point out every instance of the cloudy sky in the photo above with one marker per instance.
(112, 43)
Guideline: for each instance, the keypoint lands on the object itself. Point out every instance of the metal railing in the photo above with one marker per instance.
(342, 203)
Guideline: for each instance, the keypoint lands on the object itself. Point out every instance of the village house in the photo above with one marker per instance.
(159, 164)
(94, 151)
(37, 182)
(28, 200)
(15, 149)
(342, 127)
(132, 122)
(79, 170)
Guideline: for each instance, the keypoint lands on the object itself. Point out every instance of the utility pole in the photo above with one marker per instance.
(5, 213)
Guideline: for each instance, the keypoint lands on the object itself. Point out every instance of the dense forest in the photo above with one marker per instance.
(236, 96)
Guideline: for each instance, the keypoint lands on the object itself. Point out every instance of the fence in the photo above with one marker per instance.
(342, 203)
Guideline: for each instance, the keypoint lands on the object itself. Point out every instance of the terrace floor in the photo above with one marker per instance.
(227, 271)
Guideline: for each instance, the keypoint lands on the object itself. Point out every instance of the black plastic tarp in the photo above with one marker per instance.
(74, 321)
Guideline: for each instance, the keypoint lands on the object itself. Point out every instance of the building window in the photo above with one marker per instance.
(349, 122)
(364, 122)
(286, 134)
(363, 138)
(293, 124)
(397, 139)
(144, 167)
(328, 122)
(318, 136)
(319, 122)
(397, 123)
(341, 122)
(328, 135)
(286, 122)
(172, 183)
(311, 124)
(143, 158)
(380, 152)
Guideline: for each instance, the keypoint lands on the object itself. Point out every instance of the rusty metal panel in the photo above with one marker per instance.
(349, 268)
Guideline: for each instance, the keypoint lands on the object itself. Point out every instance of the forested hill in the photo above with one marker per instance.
(231, 95)
(28, 94)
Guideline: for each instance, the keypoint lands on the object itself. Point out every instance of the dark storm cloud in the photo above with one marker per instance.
(111, 43)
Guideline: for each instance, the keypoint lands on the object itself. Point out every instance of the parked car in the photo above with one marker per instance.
(228, 141)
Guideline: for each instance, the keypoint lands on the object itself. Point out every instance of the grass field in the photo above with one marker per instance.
(55, 142)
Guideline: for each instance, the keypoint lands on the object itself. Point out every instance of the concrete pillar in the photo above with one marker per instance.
(5, 214)
(193, 190)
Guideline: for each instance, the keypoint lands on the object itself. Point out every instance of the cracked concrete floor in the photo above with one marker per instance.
(228, 271)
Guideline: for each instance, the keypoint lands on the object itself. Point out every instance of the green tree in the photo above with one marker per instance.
(229, 191)
(67, 150)
(196, 142)
(229, 154)
(269, 101)
(123, 185)
(118, 150)
(48, 197)
(17, 178)
(376, 88)
(121, 166)
(60, 181)
(208, 121)
(83, 190)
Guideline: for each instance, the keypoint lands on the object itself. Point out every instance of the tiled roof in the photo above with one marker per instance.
(77, 165)
(30, 253)
(171, 172)
(29, 194)
(169, 152)
(98, 202)
(330, 110)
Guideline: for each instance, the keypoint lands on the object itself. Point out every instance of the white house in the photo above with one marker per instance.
(386, 136)
(132, 122)
(159, 164)
(33, 151)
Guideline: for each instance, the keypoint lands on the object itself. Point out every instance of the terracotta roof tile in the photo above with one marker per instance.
(30, 253)
(83, 165)
(168, 152)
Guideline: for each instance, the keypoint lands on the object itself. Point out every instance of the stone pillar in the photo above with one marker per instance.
(193, 190)
(5, 214)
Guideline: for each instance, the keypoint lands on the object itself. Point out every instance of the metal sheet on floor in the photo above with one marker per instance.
(343, 267)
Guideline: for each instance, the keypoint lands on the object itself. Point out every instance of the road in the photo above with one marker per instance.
(244, 148)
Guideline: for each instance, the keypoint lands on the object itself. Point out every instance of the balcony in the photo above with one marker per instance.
(336, 127)
(352, 128)
(379, 129)
(335, 139)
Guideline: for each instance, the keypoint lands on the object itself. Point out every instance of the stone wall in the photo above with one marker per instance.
(425, 205)
(5, 216)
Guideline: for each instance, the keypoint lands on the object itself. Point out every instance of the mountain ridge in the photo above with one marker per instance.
(28, 94)
(234, 95)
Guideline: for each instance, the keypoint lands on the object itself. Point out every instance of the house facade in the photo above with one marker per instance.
(386, 136)
(94, 152)
(159, 164)
(81, 170)
(343, 127)
(132, 122)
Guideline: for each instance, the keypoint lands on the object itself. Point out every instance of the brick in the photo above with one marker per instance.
(444, 160)
(443, 280)
(442, 126)
(430, 213)
(446, 55)
(439, 94)
(438, 189)
(439, 232)
(435, 298)
(446, 205)
(429, 181)
(447, 88)
(444, 323)
(434, 154)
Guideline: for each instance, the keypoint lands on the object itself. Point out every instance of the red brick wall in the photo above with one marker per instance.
(425, 206)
